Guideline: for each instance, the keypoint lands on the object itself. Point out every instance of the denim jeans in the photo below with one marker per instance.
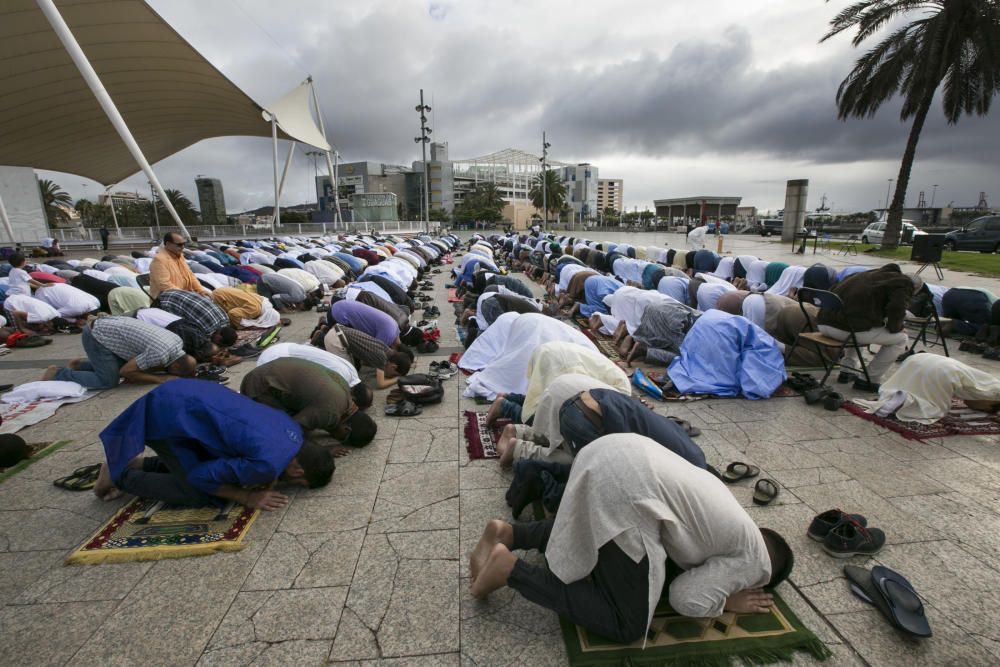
(99, 370)
(574, 426)
(510, 407)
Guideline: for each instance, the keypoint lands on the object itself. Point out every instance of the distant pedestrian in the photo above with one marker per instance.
(105, 235)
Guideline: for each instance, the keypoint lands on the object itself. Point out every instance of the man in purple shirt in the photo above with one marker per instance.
(380, 326)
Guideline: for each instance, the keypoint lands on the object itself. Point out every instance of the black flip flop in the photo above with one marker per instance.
(737, 471)
(765, 491)
(692, 431)
(892, 595)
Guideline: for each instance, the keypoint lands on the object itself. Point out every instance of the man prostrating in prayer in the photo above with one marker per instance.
(212, 445)
(629, 505)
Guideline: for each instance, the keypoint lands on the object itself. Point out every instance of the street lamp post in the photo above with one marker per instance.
(423, 139)
(887, 189)
(933, 194)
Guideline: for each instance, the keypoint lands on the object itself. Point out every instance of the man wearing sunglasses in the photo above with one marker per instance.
(169, 270)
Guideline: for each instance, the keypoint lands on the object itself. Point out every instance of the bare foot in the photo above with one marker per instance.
(494, 412)
(50, 373)
(496, 532)
(103, 488)
(595, 322)
(625, 346)
(506, 451)
(74, 364)
(638, 350)
(494, 573)
(620, 332)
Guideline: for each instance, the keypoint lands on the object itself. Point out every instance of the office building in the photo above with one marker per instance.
(211, 201)
(441, 177)
(23, 202)
(355, 178)
(580, 181)
(610, 194)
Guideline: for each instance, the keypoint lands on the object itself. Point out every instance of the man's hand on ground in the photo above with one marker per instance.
(266, 500)
(750, 601)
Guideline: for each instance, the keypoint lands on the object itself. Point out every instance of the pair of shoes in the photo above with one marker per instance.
(846, 535)
(817, 394)
(403, 409)
(972, 346)
(802, 382)
(845, 376)
(246, 350)
(865, 385)
(432, 311)
(443, 369)
(992, 353)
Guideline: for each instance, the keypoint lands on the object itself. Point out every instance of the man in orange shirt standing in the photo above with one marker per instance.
(168, 269)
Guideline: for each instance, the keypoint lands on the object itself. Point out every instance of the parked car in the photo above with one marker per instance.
(875, 232)
(982, 234)
(770, 226)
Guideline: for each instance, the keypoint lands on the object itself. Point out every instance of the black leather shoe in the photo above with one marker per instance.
(865, 385)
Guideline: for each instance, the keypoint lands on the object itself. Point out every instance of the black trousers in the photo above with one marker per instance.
(612, 602)
(162, 477)
(970, 309)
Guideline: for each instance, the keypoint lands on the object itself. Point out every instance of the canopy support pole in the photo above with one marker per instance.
(284, 172)
(72, 47)
(276, 218)
(6, 222)
(331, 165)
(114, 216)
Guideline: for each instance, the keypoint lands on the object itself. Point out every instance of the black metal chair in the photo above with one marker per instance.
(851, 246)
(827, 301)
(143, 280)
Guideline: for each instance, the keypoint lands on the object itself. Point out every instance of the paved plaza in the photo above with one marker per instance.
(374, 567)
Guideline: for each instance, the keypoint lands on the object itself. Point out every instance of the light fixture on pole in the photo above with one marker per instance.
(423, 139)
(545, 194)
(887, 189)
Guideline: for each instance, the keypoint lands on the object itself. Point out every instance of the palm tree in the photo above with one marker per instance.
(488, 196)
(83, 207)
(185, 209)
(53, 199)
(555, 192)
(952, 41)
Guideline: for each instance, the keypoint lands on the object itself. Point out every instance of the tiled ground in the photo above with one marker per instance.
(373, 567)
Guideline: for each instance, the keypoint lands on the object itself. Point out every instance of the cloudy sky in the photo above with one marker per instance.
(719, 97)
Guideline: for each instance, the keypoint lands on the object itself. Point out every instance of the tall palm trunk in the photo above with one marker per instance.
(894, 224)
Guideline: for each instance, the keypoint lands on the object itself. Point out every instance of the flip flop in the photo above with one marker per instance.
(738, 471)
(81, 479)
(765, 491)
(692, 431)
(892, 595)
(269, 336)
(403, 409)
(640, 380)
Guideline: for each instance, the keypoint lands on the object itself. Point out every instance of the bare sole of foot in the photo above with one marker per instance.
(494, 573)
(103, 488)
(492, 535)
(506, 452)
(50, 373)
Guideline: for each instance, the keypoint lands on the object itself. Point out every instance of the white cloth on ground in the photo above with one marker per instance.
(650, 502)
(43, 390)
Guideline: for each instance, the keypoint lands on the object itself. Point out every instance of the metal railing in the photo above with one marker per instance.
(136, 235)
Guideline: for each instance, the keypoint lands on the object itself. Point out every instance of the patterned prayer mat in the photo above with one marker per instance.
(606, 347)
(480, 439)
(39, 450)
(149, 530)
(960, 421)
(757, 639)
(453, 297)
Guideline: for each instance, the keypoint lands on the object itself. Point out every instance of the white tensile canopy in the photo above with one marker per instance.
(85, 83)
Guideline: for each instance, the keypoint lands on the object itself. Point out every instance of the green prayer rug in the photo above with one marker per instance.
(675, 640)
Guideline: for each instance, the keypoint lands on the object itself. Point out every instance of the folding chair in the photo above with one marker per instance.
(821, 342)
(921, 325)
(824, 242)
(851, 247)
(143, 280)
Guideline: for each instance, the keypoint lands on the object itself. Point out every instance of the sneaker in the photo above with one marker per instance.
(865, 385)
(246, 350)
(823, 523)
(850, 538)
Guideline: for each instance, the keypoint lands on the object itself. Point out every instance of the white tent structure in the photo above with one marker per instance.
(101, 87)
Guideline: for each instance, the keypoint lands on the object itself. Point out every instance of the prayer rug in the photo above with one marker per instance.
(453, 297)
(606, 347)
(960, 421)
(480, 439)
(16, 416)
(39, 450)
(756, 639)
(455, 357)
(149, 530)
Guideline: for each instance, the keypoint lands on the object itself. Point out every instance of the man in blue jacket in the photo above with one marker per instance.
(212, 445)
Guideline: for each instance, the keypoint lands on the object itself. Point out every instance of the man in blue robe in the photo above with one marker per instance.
(212, 445)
